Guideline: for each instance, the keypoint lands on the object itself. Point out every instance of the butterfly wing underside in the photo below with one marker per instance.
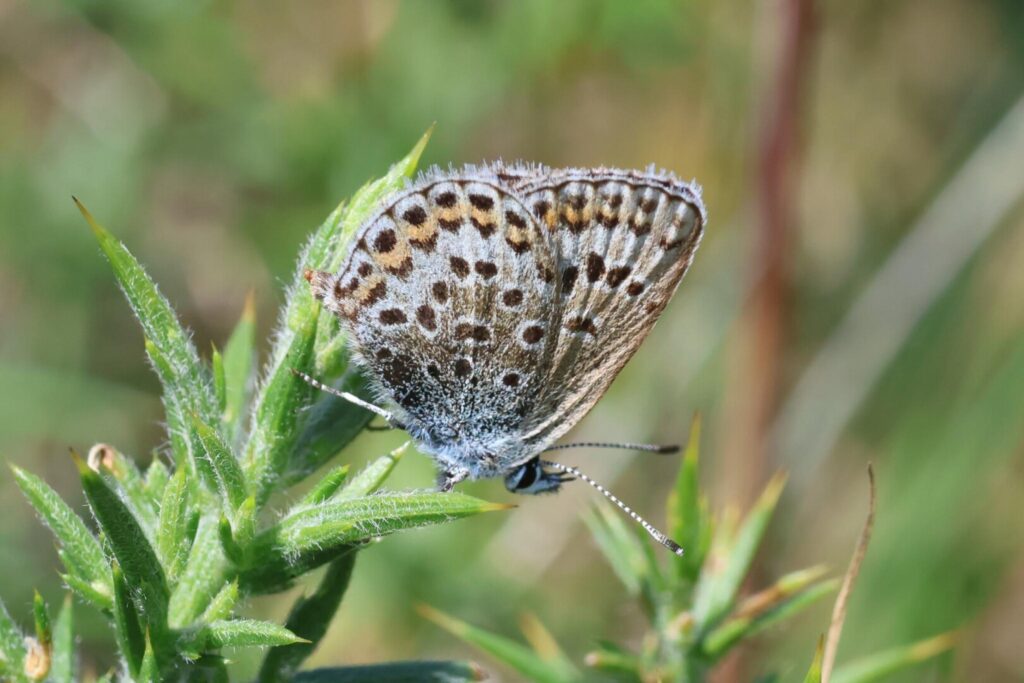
(494, 306)
(623, 241)
(447, 297)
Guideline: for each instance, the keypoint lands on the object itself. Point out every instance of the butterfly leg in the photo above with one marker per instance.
(447, 480)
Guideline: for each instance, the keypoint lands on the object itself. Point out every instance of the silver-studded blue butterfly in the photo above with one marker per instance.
(492, 306)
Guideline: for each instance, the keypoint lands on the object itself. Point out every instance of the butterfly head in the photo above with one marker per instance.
(532, 478)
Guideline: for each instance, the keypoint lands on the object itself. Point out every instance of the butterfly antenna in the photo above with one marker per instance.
(647, 447)
(648, 527)
(351, 398)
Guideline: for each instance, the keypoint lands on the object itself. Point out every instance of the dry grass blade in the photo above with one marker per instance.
(835, 629)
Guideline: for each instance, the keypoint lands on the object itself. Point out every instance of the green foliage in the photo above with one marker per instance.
(88, 572)
(693, 603)
(814, 673)
(239, 363)
(309, 620)
(878, 666)
(179, 550)
(63, 665)
(307, 537)
(529, 662)
(327, 486)
(12, 647)
(405, 672)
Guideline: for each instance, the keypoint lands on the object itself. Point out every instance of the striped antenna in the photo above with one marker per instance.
(648, 527)
(351, 398)
(647, 447)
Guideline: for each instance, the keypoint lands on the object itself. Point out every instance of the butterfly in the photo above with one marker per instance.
(491, 306)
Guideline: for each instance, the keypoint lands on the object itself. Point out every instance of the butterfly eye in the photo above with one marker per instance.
(532, 478)
(522, 478)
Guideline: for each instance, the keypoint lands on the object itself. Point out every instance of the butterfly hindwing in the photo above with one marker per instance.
(623, 241)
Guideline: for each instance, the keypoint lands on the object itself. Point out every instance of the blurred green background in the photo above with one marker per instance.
(859, 295)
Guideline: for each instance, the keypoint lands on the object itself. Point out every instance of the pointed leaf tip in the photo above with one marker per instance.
(249, 307)
(497, 507)
(83, 468)
(772, 491)
(424, 139)
(413, 159)
(926, 649)
(519, 657)
(814, 673)
(97, 229)
(693, 441)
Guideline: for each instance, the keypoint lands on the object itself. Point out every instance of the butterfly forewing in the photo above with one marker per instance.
(446, 295)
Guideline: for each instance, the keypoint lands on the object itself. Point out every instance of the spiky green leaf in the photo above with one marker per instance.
(227, 473)
(172, 537)
(621, 549)
(309, 619)
(400, 672)
(270, 451)
(185, 445)
(275, 418)
(123, 476)
(615, 661)
(397, 672)
(544, 643)
(327, 486)
(41, 619)
(157, 476)
(204, 576)
(311, 536)
(687, 517)
(79, 550)
(84, 589)
(232, 548)
(373, 476)
(521, 658)
(158, 320)
(748, 624)
(717, 587)
(131, 640)
(814, 673)
(219, 382)
(245, 522)
(877, 666)
(244, 633)
(138, 561)
(12, 647)
(148, 669)
(64, 662)
(222, 604)
(239, 366)
(347, 521)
